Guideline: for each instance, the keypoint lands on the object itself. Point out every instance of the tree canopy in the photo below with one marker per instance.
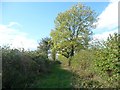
(73, 29)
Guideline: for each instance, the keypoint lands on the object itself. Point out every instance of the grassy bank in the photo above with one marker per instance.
(57, 78)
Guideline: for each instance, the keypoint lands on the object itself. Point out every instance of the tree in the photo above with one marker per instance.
(44, 46)
(73, 30)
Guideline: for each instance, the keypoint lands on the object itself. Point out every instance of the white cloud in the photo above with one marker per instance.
(114, 0)
(104, 35)
(13, 24)
(15, 38)
(108, 20)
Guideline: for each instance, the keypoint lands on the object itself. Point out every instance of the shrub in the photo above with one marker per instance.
(41, 60)
(82, 60)
(18, 69)
(82, 67)
(63, 60)
(107, 62)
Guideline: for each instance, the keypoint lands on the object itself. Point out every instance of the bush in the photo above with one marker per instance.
(82, 67)
(63, 60)
(19, 70)
(107, 62)
(82, 60)
(41, 60)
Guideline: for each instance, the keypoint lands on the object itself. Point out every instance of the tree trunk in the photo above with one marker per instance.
(69, 62)
(72, 51)
(71, 55)
(54, 54)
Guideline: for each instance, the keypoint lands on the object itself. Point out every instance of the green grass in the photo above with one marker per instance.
(58, 78)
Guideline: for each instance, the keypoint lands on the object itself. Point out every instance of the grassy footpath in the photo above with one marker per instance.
(57, 78)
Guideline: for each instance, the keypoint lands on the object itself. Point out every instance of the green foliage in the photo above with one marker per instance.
(64, 60)
(82, 67)
(41, 60)
(82, 60)
(73, 30)
(53, 54)
(18, 69)
(107, 62)
(21, 68)
(44, 46)
(97, 66)
(79, 82)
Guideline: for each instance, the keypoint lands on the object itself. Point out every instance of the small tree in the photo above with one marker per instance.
(44, 46)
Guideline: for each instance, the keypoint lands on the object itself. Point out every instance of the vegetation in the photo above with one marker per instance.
(107, 62)
(90, 66)
(73, 30)
(44, 46)
(19, 69)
